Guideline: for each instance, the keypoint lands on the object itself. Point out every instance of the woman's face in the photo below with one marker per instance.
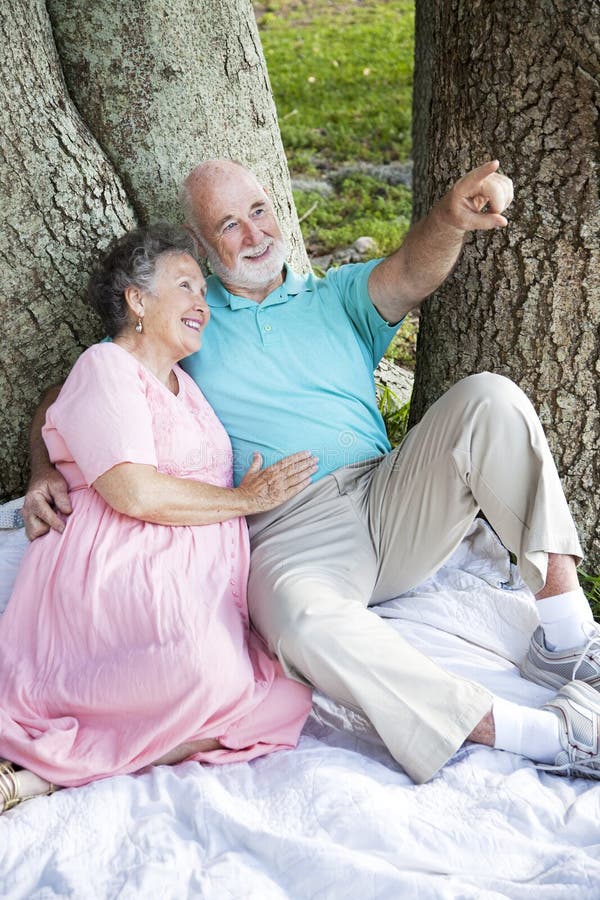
(175, 309)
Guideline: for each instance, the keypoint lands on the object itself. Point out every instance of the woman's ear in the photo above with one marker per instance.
(135, 300)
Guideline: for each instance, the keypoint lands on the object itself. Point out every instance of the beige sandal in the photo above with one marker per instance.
(9, 787)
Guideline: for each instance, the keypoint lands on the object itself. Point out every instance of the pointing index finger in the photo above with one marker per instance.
(482, 172)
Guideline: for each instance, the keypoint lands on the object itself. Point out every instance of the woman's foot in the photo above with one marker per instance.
(17, 785)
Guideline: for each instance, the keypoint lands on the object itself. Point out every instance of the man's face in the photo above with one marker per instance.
(241, 236)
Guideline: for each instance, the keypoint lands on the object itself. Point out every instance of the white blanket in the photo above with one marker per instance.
(337, 817)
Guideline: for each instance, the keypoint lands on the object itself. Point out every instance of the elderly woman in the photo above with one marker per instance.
(126, 639)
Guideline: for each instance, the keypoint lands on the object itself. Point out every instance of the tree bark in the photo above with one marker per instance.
(519, 82)
(160, 86)
(168, 84)
(61, 202)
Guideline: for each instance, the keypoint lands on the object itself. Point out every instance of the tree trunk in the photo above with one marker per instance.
(160, 86)
(168, 84)
(519, 81)
(61, 202)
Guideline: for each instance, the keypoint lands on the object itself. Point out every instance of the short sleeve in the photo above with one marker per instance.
(352, 284)
(101, 416)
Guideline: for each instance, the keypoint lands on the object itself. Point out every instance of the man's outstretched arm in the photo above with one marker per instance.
(432, 246)
(47, 490)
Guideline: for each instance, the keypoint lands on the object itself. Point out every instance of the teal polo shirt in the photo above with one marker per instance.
(295, 372)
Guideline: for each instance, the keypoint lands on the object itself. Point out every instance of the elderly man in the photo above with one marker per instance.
(288, 365)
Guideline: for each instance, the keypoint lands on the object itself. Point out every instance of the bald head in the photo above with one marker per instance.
(234, 221)
(207, 181)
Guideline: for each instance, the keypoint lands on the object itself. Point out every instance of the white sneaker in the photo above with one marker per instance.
(577, 706)
(554, 668)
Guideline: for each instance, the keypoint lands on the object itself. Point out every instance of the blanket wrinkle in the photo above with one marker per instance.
(336, 817)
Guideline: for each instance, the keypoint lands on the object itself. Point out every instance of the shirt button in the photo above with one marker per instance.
(268, 328)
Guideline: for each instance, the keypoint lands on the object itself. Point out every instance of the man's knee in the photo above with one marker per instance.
(495, 393)
(489, 385)
(277, 610)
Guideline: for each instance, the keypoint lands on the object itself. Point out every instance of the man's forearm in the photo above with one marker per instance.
(47, 494)
(38, 454)
(427, 256)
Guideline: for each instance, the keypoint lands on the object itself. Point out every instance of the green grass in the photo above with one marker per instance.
(360, 205)
(403, 348)
(591, 587)
(332, 114)
(341, 75)
(342, 79)
(395, 414)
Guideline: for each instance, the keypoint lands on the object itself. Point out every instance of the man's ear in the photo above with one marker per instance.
(198, 242)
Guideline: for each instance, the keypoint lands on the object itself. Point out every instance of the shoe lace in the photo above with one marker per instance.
(590, 631)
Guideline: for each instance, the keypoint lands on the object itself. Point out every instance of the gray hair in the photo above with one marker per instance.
(131, 261)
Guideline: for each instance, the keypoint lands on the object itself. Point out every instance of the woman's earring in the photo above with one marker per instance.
(139, 327)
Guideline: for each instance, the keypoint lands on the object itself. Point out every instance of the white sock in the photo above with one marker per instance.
(530, 732)
(562, 618)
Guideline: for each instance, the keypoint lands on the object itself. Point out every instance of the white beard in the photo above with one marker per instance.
(250, 275)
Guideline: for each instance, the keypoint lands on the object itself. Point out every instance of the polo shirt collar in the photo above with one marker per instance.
(293, 284)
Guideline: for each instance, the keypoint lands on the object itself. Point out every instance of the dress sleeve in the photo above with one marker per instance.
(101, 416)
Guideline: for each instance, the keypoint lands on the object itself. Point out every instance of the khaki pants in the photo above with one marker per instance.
(371, 531)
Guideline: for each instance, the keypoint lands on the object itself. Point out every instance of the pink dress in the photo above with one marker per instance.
(123, 639)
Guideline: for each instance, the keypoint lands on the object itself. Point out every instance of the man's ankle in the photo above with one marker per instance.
(484, 732)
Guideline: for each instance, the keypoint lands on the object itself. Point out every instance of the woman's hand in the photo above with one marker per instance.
(264, 489)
